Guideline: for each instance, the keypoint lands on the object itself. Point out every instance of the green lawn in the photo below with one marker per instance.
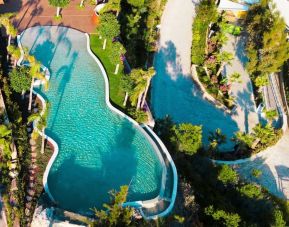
(116, 93)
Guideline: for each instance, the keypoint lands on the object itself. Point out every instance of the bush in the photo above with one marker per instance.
(227, 175)
(206, 13)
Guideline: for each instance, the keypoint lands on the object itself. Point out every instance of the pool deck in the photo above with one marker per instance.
(30, 13)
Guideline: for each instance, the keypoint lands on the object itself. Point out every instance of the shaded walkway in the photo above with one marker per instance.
(274, 164)
(173, 91)
(245, 114)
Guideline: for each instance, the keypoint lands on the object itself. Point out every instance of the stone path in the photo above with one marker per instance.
(38, 12)
(245, 113)
(274, 164)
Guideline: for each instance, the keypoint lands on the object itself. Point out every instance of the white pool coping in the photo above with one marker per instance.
(137, 204)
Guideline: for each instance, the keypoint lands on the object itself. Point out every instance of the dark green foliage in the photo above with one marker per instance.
(136, 3)
(267, 47)
(59, 3)
(188, 137)
(224, 218)
(109, 26)
(227, 175)
(115, 214)
(206, 13)
(20, 79)
(235, 203)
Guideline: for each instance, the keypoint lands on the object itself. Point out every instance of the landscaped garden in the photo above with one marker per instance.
(125, 42)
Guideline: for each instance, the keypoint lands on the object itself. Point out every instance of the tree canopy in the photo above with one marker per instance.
(267, 47)
(227, 175)
(188, 138)
(20, 79)
(109, 26)
(59, 3)
(115, 214)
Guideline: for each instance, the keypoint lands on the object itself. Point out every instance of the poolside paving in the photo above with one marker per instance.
(30, 13)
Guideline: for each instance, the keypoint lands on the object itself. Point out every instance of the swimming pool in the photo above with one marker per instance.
(99, 150)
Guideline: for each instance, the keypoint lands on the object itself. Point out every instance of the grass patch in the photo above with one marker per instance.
(115, 91)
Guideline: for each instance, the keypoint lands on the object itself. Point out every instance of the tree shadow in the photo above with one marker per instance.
(245, 102)
(267, 179)
(64, 75)
(79, 184)
(177, 95)
(240, 48)
(99, 150)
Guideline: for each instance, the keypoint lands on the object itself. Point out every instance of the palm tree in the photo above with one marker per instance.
(41, 124)
(127, 86)
(235, 78)
(223, 58)
(148, 76)
(5, 22)
(271, 115)
(111, 6)
(142, 80)
(264, 134)
(5, 140)
(15, 53)
(138, 91)
(217, 138)
(35, 73)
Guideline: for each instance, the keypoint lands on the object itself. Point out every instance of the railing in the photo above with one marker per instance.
(277, 98)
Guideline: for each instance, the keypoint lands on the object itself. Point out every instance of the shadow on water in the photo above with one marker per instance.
(64, 75)
(115, 166)
(176, 94)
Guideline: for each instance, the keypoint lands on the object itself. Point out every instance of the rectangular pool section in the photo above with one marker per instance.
(99, 150)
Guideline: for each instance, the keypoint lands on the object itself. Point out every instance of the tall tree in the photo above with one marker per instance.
(20, 79)
(15, 53)
(5, 21)
(111, 6)
(267, 47)
(41, 119)
(216, 138)
(35, 73)
(59, 4)
(223, 58)
(115, 214)
(109, 27)
(142, 80)
(117, 50)
(127, 85)
(188, 138)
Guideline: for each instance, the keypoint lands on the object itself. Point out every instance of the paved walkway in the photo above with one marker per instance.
(245, 114)
(274, 164)
(38, 12)
(174, 92)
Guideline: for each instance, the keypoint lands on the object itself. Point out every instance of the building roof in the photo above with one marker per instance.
(233, 6)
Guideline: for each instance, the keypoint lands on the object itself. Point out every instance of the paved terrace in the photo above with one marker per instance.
(30, 13)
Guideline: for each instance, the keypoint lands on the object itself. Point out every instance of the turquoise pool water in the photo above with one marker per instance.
(98, 149)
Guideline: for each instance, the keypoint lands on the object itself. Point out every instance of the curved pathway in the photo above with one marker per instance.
(175, 94)
(274, 164)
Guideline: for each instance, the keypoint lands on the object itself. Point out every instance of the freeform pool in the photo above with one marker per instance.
(99, 150)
